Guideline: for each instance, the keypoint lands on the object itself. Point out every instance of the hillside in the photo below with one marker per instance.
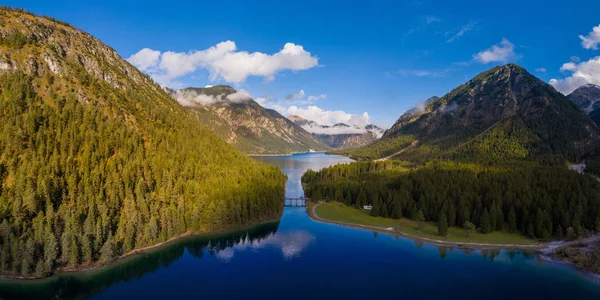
(245, 124)
(501, 113)
(97, 160)
(587, 98)
(340, 136)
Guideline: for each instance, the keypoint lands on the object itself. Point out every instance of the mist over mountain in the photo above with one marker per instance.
(244, 123)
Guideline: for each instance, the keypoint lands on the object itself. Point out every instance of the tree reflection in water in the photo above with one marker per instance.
(84, 284)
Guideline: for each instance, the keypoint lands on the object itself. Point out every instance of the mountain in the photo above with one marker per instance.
(245, 124)
(96, 160)
(340, 136)
(587, 98)
(503, 112)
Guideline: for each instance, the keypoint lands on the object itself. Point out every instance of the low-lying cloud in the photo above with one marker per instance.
(192, 98)
(222, 61)
(326, 119)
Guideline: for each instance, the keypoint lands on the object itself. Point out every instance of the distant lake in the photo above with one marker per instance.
(297, 258)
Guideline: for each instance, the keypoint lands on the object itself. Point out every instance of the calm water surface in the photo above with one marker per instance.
(298, 258)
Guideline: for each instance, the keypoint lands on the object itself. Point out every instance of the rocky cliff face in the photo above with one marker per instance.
(242, 122)
(587, 98)
(501, 96)
(64, 51)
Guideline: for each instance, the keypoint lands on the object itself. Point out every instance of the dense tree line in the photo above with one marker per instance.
(539, 201)
(77, 286)
(84, 181)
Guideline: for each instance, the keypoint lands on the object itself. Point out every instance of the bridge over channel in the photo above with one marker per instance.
(295, 202)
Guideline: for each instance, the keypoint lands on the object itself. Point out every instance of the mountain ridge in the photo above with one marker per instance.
(244, 123)
(340, 136)
(524, 110)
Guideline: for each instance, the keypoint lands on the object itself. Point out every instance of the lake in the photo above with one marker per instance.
(298, 258)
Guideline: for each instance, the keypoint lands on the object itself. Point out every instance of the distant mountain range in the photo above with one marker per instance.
(340, 136)
(587, 98)
(242, 122)
(501, 113)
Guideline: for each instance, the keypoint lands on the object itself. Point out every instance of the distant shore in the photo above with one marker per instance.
(286, 154)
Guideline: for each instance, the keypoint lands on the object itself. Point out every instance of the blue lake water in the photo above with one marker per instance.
(298, 258)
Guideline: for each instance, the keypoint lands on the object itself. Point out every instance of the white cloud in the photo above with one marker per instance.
(502, 52)
(432, 19)
(329, 118)
(582, 73)
(300, 98)
(423, 23)
(425, 73)
(570, 66)
(541, 70)
(466, 28)
(145, 59)
(192, 98)
(223, 61)
(313, 99)
(291, 244)
(239, 96)
(592, 40)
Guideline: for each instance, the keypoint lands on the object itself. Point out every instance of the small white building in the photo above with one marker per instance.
(368, 207)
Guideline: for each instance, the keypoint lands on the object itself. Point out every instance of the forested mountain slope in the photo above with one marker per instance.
(97, 160)
(504, 112)
(245, 124)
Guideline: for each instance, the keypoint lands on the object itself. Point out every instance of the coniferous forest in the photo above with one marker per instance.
(539, 201)
(96, 160)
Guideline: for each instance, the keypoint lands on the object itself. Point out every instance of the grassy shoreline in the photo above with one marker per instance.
(338, 213)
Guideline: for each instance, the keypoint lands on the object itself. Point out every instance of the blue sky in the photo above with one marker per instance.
(380, 57)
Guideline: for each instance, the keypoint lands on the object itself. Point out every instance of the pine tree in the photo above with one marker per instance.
(50, 252)
(443, 224)
(451, 214)
(108, 249)
(559, 233)
(420, 218)
(485, 222)
(512, 220)
(499, 218)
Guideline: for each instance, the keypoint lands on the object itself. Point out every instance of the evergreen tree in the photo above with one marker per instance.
(485, 222)
(469, 228)
(451, 214)
(420, 218)
(443, 224)
(512, 220)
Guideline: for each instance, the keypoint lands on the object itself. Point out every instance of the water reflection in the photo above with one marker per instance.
(84, 284)
(274, 261)
(291, 244)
